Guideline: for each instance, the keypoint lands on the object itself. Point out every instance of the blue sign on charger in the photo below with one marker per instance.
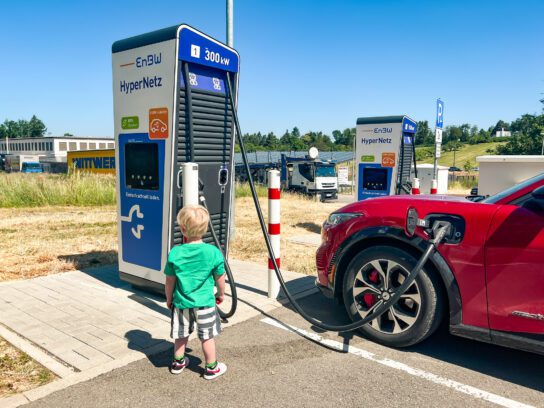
(200, 49)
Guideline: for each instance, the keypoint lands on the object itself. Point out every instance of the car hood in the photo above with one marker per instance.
(358, 206)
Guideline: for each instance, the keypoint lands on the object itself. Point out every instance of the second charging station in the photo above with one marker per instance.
(171, 106)
(384, 155)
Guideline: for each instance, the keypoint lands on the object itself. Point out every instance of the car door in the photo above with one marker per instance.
(515, 267)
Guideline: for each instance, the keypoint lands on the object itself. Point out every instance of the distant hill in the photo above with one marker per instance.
(467, 152)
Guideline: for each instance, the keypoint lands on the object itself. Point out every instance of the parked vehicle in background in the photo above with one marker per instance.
(23, 163)
(486, 279)
(310, 175)
(31, 167)
(453, 168)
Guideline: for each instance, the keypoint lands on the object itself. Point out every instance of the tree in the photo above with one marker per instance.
(291, 140)
(36, 128)
(424, 135)
(23, 128)
(452, 145)
(501, 124)
(271, 141)
(68, 134)
(467, 166)
(526, 136)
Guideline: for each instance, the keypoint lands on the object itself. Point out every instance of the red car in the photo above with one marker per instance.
(487, 278)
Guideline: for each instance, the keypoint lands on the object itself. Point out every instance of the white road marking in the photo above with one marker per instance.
(457, 386)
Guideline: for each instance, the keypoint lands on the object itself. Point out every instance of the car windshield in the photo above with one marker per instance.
(497, 197)
(325, 171)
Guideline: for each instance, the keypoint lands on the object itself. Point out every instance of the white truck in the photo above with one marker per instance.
(310, 175)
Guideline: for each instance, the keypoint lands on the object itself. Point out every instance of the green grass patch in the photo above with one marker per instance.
(18, 372)
(243, 190)
(37, 190)
(466, 153)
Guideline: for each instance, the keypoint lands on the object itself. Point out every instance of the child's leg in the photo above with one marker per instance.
(208, 347)
(182, 326)
(179, 347)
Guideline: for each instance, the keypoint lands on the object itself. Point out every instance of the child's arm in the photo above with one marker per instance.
(169, 290)
(220, 283)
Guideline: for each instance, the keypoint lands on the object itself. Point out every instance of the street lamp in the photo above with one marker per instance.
(542, 134)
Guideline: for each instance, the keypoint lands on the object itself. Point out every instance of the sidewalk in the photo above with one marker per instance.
(82, 324)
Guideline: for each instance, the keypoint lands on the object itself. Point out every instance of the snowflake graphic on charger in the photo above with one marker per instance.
(158, 125)
(137, 232)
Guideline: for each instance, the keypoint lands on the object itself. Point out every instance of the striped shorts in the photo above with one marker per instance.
(207, 320)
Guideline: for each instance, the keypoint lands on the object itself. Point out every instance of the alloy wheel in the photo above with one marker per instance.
(374, 284)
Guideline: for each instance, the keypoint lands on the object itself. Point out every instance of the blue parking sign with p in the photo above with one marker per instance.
(439, 113)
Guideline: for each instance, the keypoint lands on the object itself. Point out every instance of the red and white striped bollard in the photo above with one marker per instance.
(434, 187)
(415, 186)
(274, 230)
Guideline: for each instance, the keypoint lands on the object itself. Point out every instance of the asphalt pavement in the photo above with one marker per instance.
(271, 366)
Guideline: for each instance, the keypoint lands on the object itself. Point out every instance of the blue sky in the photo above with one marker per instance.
(315, 64)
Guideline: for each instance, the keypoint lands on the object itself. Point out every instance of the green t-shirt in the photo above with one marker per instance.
(195, 267)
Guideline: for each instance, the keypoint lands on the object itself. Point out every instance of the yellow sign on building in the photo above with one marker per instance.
(92, 161)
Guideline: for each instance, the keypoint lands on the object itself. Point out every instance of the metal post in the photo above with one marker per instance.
(230, 23)
(274, 230)
(542, 134)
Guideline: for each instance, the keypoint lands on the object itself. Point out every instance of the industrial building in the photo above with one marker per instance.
(53, 149)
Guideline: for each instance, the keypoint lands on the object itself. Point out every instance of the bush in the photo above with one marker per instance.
(36, 190)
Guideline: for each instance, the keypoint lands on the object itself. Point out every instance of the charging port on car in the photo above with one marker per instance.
(456, 232)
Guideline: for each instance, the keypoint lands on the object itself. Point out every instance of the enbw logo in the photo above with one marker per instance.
(151, 59)
(383, 130)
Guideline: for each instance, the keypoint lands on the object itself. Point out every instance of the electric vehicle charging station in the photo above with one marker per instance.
(384, 154)
(171, 107)
(175, 111)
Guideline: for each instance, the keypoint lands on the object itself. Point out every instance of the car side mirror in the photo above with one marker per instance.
(538, 194)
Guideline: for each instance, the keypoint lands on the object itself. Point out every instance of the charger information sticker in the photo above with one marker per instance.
(388, 159)
(158, 123)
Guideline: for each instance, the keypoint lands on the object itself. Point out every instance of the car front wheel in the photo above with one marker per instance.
(372, 276)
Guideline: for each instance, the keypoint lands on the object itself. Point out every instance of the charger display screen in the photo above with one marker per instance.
(142, 166)
(375, 179)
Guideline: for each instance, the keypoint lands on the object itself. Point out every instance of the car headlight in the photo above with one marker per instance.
(339, 218)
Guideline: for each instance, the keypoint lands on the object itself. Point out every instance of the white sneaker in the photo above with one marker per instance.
(219, 369)
(176, 367)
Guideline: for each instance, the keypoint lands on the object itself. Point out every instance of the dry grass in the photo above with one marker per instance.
(42, 241)
(37, 242)
(18, 372)
(299, 215)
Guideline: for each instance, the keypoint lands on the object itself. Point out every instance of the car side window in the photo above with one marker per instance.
(530, 203)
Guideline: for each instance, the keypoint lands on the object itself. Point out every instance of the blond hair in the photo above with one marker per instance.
(194, 220)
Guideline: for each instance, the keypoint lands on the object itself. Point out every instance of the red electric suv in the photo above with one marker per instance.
(487, 277)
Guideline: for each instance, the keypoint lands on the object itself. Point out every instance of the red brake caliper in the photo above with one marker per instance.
(370, 299)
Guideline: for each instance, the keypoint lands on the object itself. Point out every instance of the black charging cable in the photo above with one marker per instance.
(234, 304)
(439, 233)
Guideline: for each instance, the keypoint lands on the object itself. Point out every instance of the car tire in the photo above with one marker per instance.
(391, 329)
